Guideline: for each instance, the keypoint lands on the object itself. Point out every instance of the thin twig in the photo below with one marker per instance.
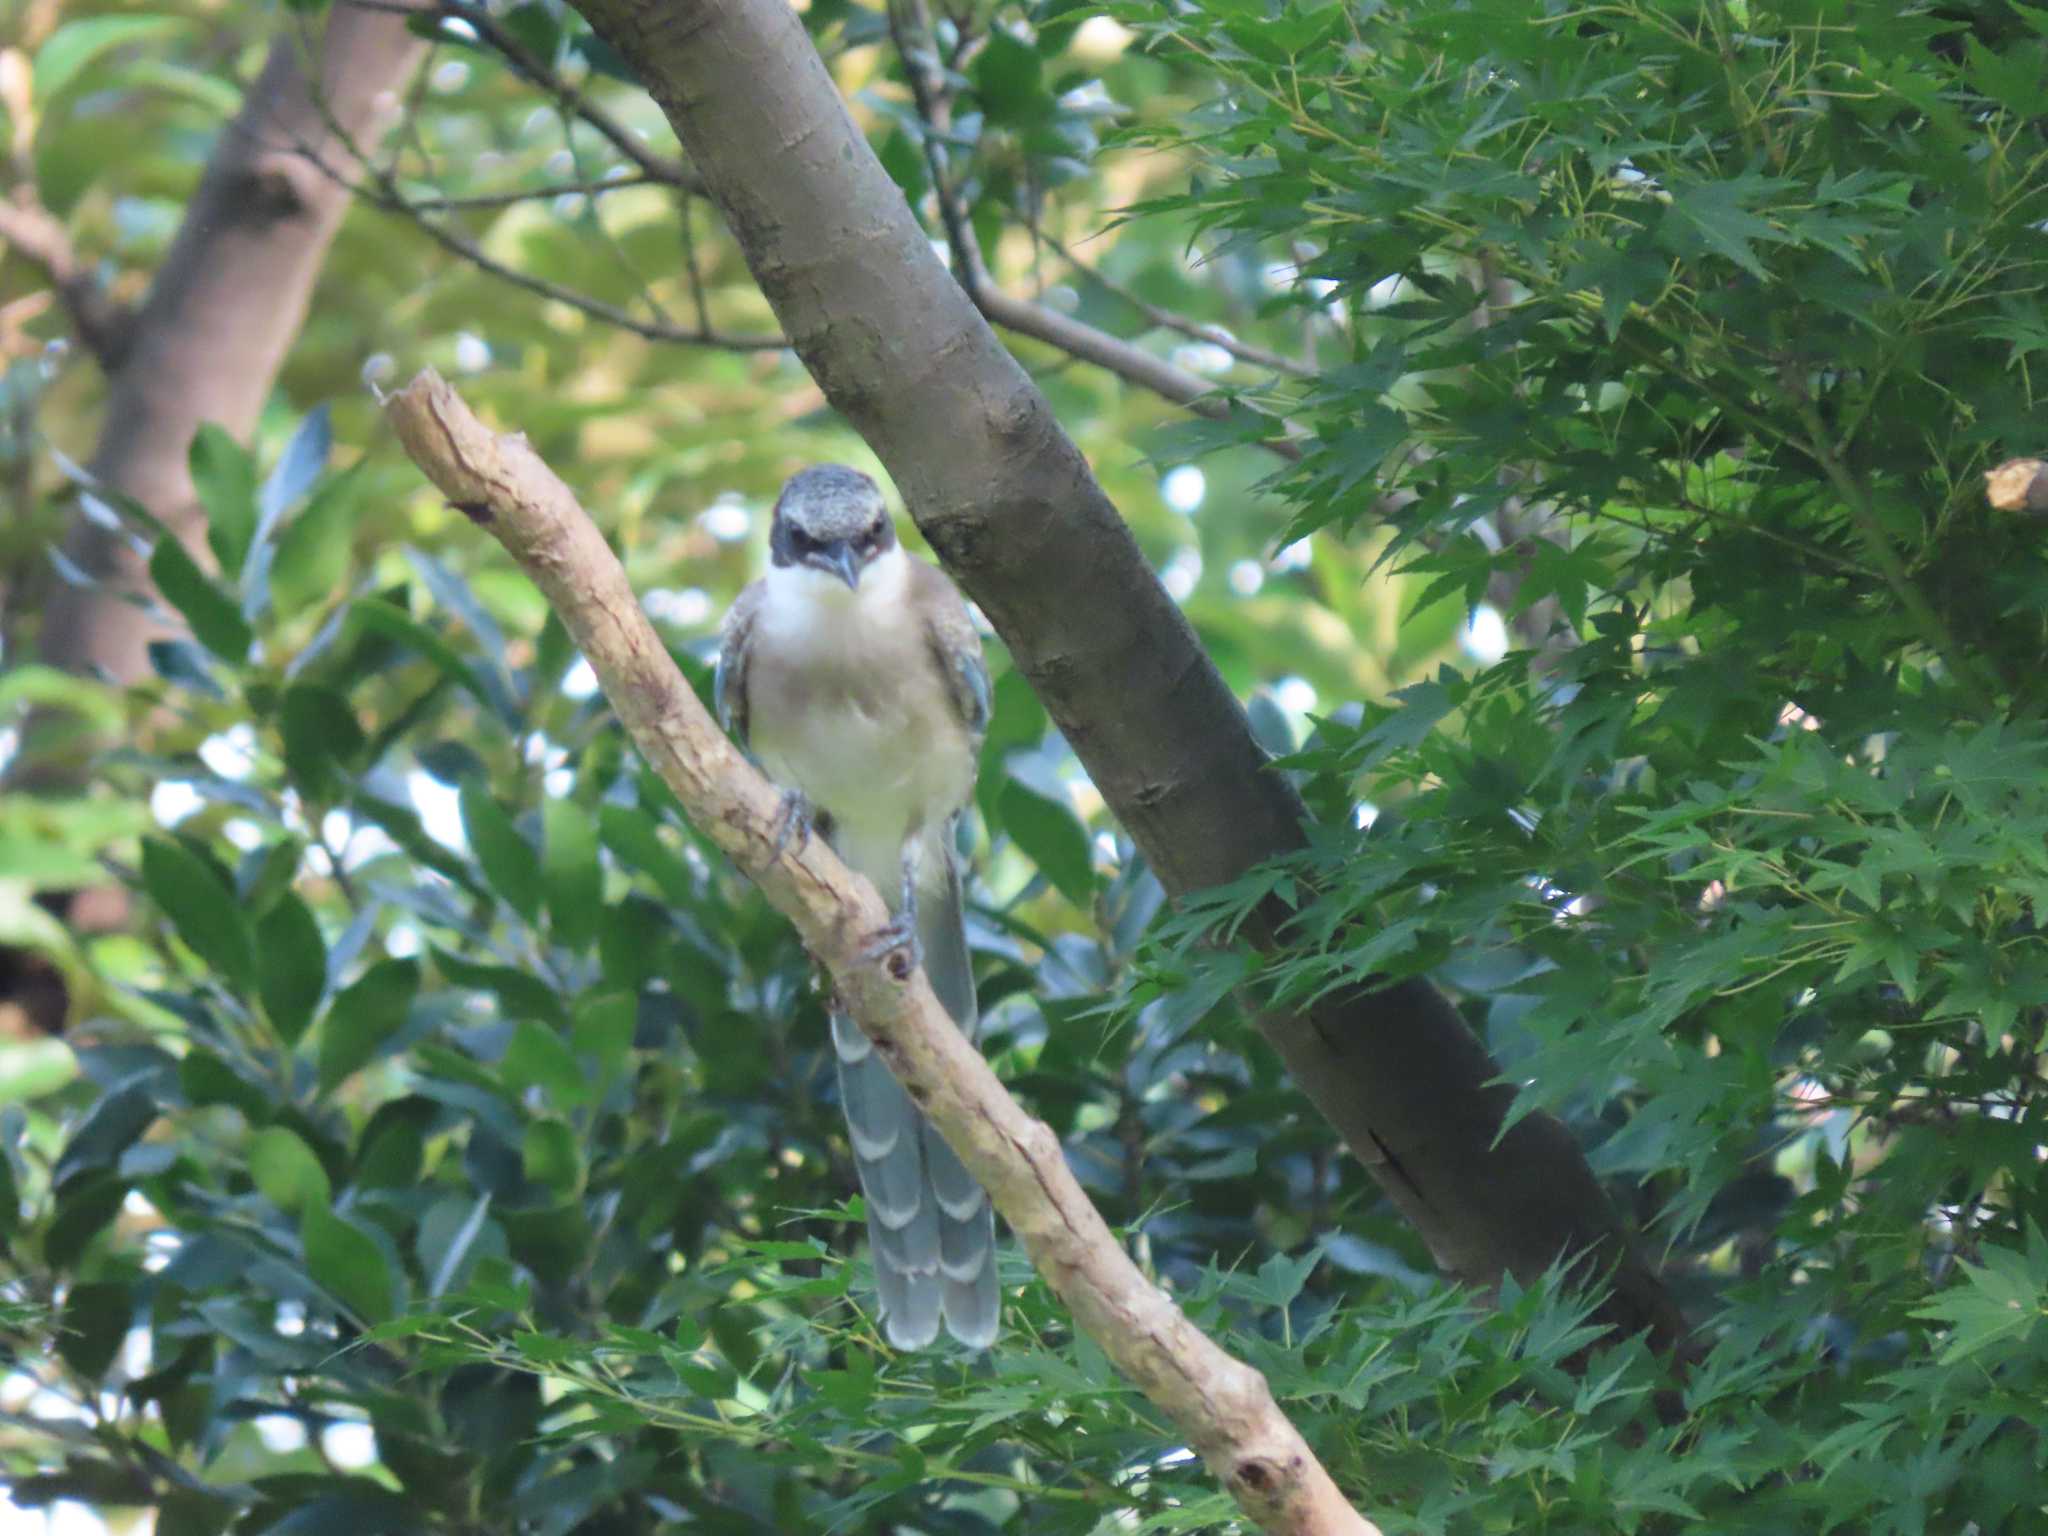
(1933, 628)
(381, 191)
(1166, 319)
(103, 323)
(1026, 318)
(488, 30)
(486, 201)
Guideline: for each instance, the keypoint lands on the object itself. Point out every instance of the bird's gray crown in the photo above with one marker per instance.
(829, 502)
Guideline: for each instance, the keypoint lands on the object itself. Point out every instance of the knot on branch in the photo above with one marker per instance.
(1260, 1477)
(279, 186)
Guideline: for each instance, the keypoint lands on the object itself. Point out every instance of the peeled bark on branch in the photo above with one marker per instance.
(1012, 509)
(223, 310)
(1222, 1405)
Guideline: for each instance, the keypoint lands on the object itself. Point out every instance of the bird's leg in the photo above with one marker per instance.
(901, 932)
(793, 819)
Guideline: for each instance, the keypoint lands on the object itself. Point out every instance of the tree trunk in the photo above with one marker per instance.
(1012, 509)
(207, 346)
(223, 311)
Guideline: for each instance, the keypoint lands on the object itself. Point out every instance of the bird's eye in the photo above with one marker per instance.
(801, 542)
(872, 539)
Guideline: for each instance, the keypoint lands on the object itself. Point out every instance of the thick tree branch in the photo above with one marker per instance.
(1222, 1405)
(1010, 506)
(102, 322)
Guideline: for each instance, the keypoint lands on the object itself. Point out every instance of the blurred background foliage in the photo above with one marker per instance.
(449, 1144)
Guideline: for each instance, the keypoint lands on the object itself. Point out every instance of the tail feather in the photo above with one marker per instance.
(930, 1227)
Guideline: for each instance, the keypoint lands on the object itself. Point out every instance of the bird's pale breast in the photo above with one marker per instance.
(847, 705)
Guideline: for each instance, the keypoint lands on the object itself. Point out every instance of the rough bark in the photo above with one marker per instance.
(1222, 1405)
(1012, 509)
(223, 310)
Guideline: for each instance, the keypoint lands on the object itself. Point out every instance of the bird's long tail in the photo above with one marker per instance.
(929, 1223)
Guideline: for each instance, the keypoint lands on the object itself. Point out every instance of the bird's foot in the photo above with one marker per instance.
(898, 937)
(793, 822)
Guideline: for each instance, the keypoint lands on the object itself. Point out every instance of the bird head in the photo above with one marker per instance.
(831, 519)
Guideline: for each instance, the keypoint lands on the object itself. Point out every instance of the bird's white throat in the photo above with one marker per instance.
(804, 590)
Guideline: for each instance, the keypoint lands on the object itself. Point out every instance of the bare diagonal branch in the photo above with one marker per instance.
(1222, 1405)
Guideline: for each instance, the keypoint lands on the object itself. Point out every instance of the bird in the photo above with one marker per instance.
(853, 676)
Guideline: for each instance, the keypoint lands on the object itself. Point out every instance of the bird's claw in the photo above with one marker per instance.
(898, 936)
(793, 820)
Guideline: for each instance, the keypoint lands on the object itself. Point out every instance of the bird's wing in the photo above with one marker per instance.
(955, 647)
(729, 683)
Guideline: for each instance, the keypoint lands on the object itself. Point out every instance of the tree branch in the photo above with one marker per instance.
(702, 335)
(1133, 364)
(382, 191)
(1166, 319)
(477, 201)
(500, 41)
(1222, 1405)
(104, 324)
(1009, 504)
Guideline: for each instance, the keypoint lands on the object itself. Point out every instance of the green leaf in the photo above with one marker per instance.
(539, 1058)
(323, 742)
(363, 1016)
(225, 477)
(449, 1243)
(376, 616)
(1714, 214)
(604, 1030)
(216, 618)
(298, 469)
(206, 1079)
(1009, 78)
(571, 872)
(201, 908)
(74, 45)
(291, 966)
(185, 665)
(551, 1155)
(348, 1264)
(92, 1325)
(286, 1171)
(85, 1207)
(634, 837)
(508, 859)
(1052, 836)
(313, 550)
(1997, 1305)
(109, 1128)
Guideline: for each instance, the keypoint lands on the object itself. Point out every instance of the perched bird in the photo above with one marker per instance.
(853, 676)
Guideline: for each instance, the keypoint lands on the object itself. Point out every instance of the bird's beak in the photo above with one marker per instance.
(841, 561)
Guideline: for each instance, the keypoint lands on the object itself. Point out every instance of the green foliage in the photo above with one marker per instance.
(451, 1087)
(1691, 327)
(465, 1096)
